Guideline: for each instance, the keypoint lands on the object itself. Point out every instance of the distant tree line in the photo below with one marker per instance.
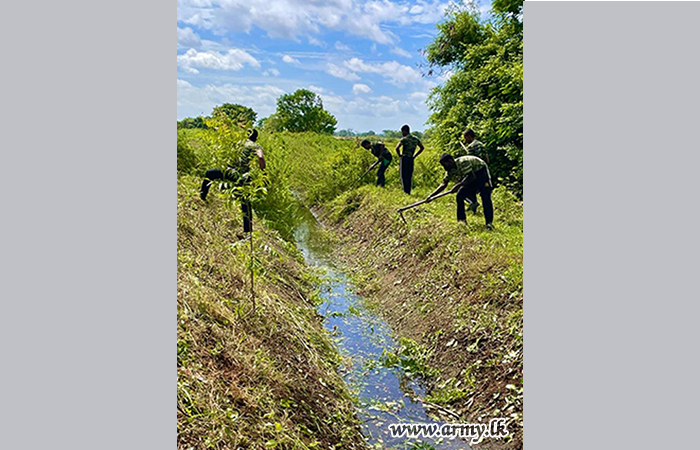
(389, 134)
(297, 112)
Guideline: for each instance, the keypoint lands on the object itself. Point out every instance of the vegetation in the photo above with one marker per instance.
(259, 380)
(452, 292)
(485, 89)
(298, 112)
(241, 115)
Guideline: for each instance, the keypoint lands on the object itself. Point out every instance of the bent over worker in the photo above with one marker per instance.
(408, 144)
(383, 159)
(238, 173)
(471, 175)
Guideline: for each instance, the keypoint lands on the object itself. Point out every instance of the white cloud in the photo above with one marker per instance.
(234, 59)
(193, 101)
(361, 89)
(289, 60)
(377, 113)
(271, 72)
(317, 89)
(401, 52)
(342, 47)
(293, 18)
(341, 72)
(397, 74)
(186, 38)
(316, 42)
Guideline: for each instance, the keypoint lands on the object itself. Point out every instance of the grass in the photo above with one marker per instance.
(453, 292)
(259, 380)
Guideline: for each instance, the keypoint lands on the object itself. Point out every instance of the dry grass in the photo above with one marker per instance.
(454, 290)
(251, 380)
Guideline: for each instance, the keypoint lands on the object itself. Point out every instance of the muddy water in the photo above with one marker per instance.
(385, 395)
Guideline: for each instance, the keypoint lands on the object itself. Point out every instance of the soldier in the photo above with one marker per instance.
(409, 143)
(239, 174)
(475, 147)
(383, 159)
(471, 175)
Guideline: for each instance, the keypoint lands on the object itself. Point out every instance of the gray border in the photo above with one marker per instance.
(611, 113)
(88, 226)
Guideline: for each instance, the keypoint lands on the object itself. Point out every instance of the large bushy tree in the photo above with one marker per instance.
(485, 88)
(301, 111)
(241, 115)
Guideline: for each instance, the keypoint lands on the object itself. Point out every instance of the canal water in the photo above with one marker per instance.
(386, 395)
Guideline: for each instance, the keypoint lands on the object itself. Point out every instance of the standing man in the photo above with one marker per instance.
(383, 159)
(475, 147)
(409, 143)
(239, 174)
(471, 175)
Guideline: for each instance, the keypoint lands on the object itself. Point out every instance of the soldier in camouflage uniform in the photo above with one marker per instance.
(238, 173)
(471, 175)
(383, 156)
(409, 143)
(475, 147)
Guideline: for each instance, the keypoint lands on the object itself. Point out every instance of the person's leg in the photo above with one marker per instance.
(461, 196)
(247, 211)
(485, 194)
(213, 174)
(407, 174)
(381, 180)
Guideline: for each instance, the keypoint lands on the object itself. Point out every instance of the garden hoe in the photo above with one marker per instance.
(413, 205)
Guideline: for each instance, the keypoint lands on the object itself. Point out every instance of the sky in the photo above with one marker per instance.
(361, 57)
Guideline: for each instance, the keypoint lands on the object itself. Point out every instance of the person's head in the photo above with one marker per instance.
(253, 136)
(366, 144)
(469, 135)
(405, 130)
(447, 161)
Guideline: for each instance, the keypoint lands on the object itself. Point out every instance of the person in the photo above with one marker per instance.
(471, 175)
(239, 174)
(475, 147)
(406, 158)
(383, 156)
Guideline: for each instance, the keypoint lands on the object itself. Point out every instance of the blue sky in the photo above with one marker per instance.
(361, 57)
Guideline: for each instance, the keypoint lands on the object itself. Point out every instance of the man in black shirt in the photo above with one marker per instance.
(383, 159)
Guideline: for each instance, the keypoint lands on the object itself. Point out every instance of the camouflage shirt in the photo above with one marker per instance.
(464, 166)
(250, 148)
(409, 144)
(380, 152)
(477, 149)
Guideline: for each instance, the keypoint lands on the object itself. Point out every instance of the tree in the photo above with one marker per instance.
(189, 122)
(239, 114)
(485, 90)
(301, 111)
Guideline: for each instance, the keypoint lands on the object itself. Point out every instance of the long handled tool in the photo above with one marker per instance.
(364, 174)
(413, 205)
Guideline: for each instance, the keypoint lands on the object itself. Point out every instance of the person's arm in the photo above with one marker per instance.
(466, 180)
(398, 146)
(439, 189)
(421, 148)
(261, 159)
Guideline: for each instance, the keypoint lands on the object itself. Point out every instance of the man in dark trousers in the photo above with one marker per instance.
(238, 173)
(409, 143)
(471, 175)
(383, 156)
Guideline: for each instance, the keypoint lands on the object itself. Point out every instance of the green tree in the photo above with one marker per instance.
(485, 89)
(301, 111)
(189, 122)
(239, 114)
